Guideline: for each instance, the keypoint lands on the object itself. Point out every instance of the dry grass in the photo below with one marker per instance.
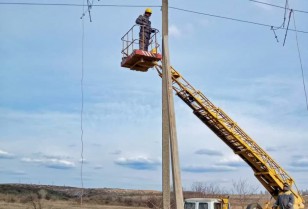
(52, 197)
(61, 205)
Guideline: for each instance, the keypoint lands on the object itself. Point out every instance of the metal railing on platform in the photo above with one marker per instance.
(135, 37)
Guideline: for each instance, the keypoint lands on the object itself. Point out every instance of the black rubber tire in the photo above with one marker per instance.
(254, 206)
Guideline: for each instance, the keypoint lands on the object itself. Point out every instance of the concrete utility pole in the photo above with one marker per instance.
(165, 111)
(169, 126)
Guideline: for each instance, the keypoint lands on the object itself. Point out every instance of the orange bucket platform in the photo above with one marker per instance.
(141, 60)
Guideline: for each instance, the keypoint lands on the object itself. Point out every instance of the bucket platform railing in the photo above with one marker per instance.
(133, 54)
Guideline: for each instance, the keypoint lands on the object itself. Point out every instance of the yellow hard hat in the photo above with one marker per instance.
(148, 10)
(154, 50)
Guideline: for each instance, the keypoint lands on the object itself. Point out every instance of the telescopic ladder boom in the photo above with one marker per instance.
(265, 169)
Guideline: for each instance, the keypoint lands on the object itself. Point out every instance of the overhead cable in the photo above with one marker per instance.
(286, 7)
(276, 37)
(300, 61)
(74, 5)
(277, 6)
(78, 5)
(90, 5)
(175, 8)
(285, 37)
(82, 99)
(283, 23)
(234, 19)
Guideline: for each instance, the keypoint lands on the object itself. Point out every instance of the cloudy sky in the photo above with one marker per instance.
(240, 67)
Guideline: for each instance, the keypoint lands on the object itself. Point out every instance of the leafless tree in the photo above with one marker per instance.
(207, 190)
(154, 202)
(245, 192)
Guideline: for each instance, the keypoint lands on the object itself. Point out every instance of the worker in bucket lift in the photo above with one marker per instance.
(285, 199)
(145, 29)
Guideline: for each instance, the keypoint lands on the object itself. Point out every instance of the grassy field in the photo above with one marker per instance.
(60, 205)
(21, 196)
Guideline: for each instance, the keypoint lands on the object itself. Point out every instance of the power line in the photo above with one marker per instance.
(81, 109)
(80, 5)
(286, 7)
(277, 6)
(89, 9)
(90, 5)
(285, 37)
(300, 61)
(233, 19)
(39, 4)
(175, 8)
(74, 5)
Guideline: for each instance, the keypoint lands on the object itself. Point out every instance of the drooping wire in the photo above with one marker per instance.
(89, 9)
(285, 12)
(89, 5)
(283, 23)
(300, 61)
(81, 110)
(276, 37)
(285, 36)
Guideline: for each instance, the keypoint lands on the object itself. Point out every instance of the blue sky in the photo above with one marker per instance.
(240, 67)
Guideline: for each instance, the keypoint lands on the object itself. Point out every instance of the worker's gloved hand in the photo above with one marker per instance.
(289, 205)
(153, 31)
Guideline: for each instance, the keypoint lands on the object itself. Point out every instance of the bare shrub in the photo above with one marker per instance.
(245, 192)
(203, 189)
(33, 200)
(128, 201)
(42, 193)
(154, 202)
(11, 198)
(108, 200)
(119, 199)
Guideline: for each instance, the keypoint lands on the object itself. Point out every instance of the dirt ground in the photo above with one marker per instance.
(61, 205)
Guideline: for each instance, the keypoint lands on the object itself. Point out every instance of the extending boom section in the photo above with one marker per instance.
(266, 170)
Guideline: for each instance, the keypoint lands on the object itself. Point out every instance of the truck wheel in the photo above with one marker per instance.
(254, 206)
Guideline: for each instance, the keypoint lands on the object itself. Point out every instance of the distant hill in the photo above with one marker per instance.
(22, 192)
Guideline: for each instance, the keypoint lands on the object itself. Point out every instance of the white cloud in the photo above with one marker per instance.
(51, 162)
(299, 163)
(84, 161)
(138, 162)
(5, 155)
(232, 161)
(264, 6)
(208, 152)
(174, 31)
(255, 82)
(13, 172)
(98, 167)
(207, 169)
(116, 152)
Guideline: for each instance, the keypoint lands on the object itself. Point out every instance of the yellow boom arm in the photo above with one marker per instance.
(266, 170)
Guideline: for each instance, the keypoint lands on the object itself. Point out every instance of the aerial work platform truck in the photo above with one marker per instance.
(269, 173)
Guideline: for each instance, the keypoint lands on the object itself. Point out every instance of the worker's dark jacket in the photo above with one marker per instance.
(285, 200)
(145, 27)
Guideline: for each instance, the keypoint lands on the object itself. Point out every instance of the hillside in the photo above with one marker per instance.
(13, 196)
(29, 194)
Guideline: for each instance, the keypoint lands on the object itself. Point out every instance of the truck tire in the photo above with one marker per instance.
(254, 206)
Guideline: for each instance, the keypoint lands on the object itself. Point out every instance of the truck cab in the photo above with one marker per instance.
(207, 203)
